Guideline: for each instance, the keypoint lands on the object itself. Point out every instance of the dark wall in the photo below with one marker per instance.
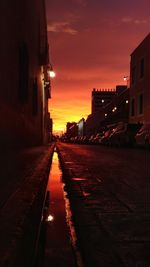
(21, 103)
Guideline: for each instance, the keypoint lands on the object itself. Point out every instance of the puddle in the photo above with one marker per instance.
(60, 246)
(86, 194)
(78, 179)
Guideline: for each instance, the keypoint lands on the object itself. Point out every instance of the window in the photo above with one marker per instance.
(35, 98)
(140, 104)
(142, 68)
(23, 73)
(132, 107)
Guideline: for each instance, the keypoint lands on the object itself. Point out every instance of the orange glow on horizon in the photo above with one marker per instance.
(70, 104)
(64, 113)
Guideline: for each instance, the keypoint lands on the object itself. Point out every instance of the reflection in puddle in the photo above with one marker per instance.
(60, 234)
(50, 218)
(86, 194)
(78, 179)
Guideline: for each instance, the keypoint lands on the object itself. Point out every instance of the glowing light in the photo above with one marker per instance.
(114, 109)
(79, 179)
(86, 194)
(103, 100)
(50, 71)
(105, 114)
(127, 101)
(125, 78)
(50, 218)
(52, 74)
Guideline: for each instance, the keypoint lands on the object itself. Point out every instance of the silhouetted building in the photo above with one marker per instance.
(101, 98)
(25, 85)
(71, 129)
(120, 89)
(93, 122)
(81, 127)
(118, 109)
(50, 127)
(140, 83)
(112, 110)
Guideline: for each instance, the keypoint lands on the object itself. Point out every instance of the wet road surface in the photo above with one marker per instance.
(109, 191)
(60, 249)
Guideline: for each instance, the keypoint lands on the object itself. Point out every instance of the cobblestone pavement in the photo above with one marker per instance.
(23, 180)
(109, 191)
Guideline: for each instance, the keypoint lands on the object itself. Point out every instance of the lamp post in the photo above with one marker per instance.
(126, 79)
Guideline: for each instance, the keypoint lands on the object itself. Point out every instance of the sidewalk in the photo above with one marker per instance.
(23, 181)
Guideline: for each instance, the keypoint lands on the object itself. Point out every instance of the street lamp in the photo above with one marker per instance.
(51, 72)
(126, 79)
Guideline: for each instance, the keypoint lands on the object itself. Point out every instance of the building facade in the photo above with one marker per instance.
(71, 129)
(25, 85)
(81, 127)
(140, 83)
(108, 106)
(118, 110)
(101, 98)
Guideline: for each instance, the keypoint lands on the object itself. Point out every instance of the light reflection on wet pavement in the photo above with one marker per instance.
(59, 240)
(110, 199)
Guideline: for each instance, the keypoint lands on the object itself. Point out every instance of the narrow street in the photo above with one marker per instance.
(75, 89)
(109, 194)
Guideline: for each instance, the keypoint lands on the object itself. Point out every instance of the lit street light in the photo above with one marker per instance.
(126, 79)
(51, 72)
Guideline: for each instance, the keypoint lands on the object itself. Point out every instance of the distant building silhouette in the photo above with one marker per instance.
(100, 98)
(118, 109)
(108, 106)
(71, 129)
(25, 85)
(140, 83)
(81, 127)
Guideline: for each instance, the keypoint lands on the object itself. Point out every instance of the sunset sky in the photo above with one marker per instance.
(90, 46)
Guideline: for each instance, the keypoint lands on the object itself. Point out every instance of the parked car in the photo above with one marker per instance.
(113, 138)
(124, 134)
(143, 136)
(97, 138)
(91, 138)
(85, 139)
(104, 140)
